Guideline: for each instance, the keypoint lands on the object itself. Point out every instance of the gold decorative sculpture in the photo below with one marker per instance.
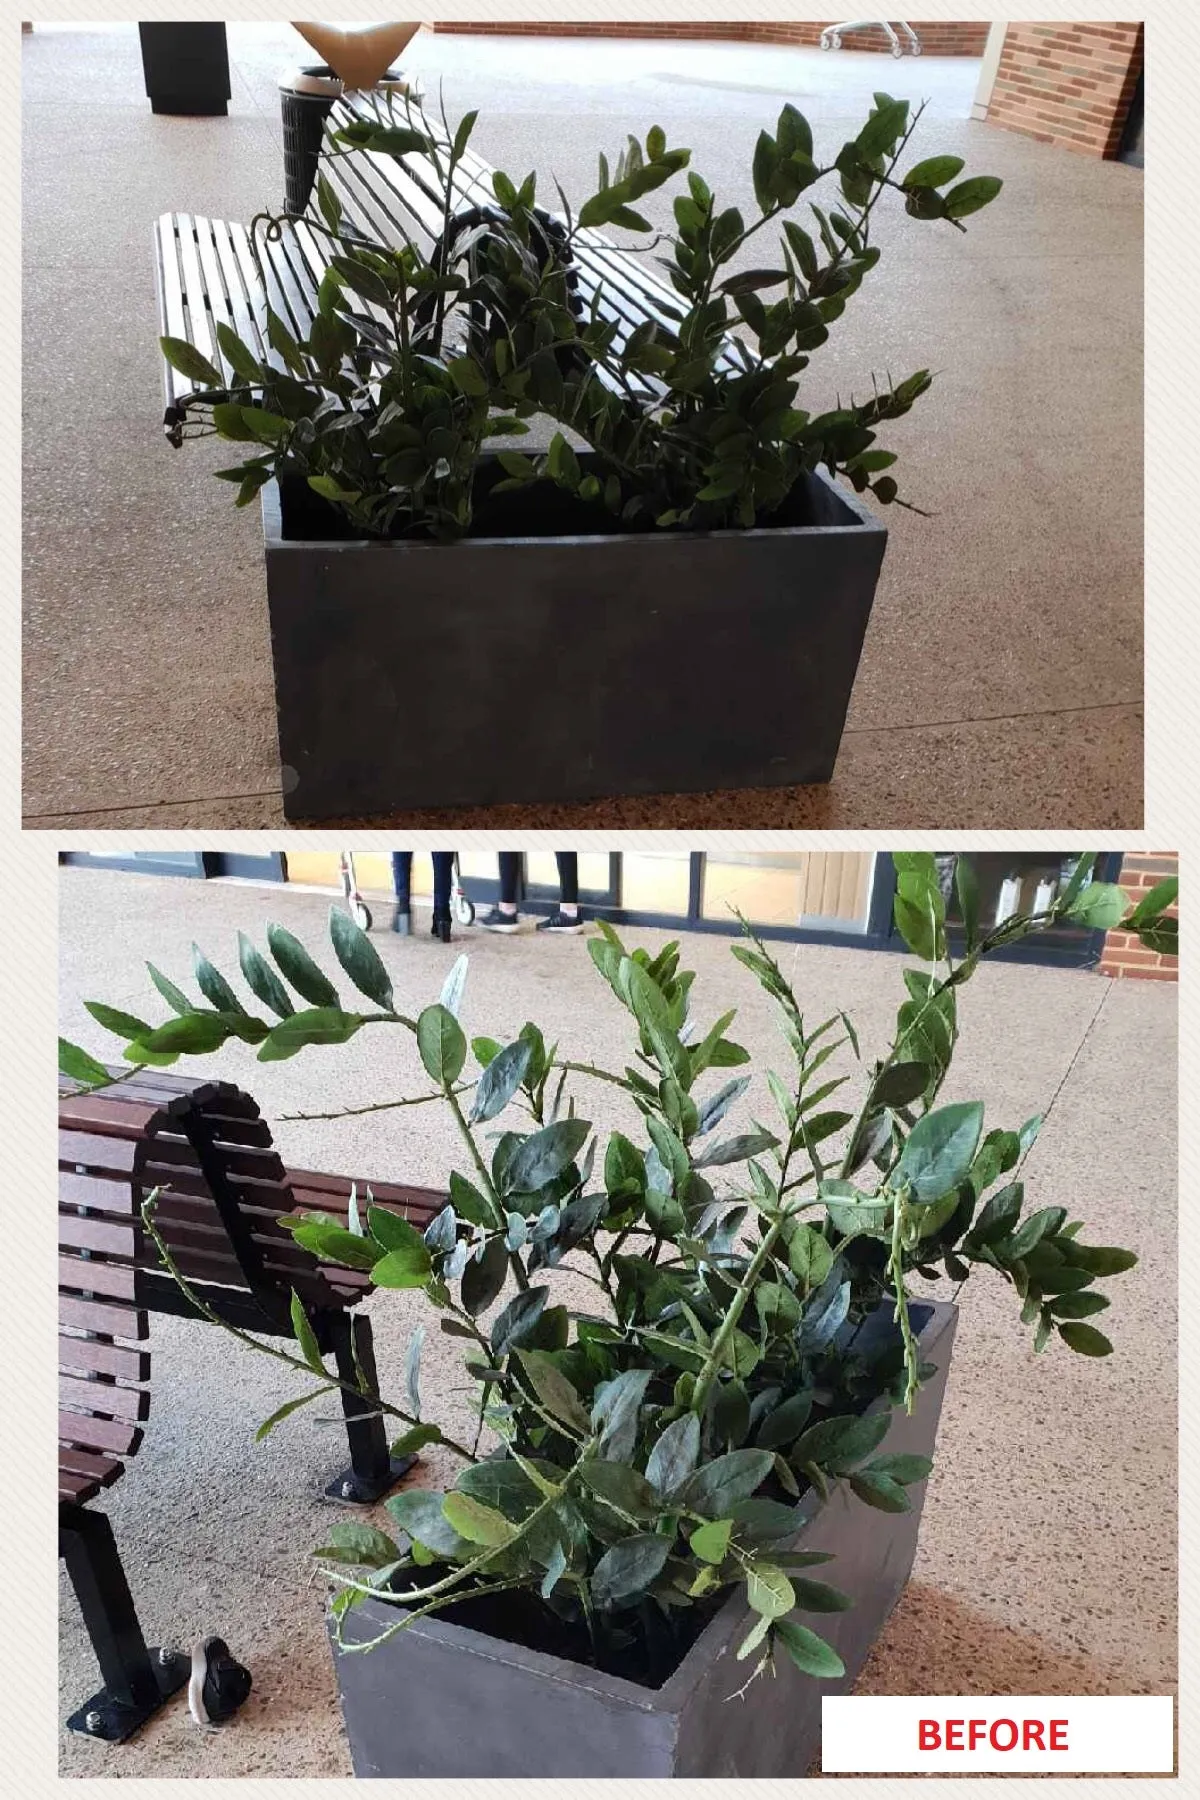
(361, 55)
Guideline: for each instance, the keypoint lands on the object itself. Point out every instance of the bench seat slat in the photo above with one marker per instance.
(93, 1355)
(103, 1470)
(75, 1490)
(98, 1315)
(196, 291)
(244, 314)
(88, 1275)
(102, 1396)
(248, 273)
(90, 1433)
(76, 1233)
(170, 289)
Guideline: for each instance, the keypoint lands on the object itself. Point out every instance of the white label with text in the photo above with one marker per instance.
(1093, 1734)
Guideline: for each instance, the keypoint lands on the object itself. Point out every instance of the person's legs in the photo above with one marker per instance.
(443, 876)
(510, 878)
(402, 885)
(568, 881)
(503, 916)
(566, 917)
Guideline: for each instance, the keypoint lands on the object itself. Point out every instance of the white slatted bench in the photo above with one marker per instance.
(208, 273)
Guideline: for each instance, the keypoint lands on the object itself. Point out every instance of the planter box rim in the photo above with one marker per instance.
(863, 523)
(670, 1696)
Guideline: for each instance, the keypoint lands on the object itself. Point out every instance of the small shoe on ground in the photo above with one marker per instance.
(218, 1684)
(495, 920)
(440, 928)
(568, 924)
(402, 922)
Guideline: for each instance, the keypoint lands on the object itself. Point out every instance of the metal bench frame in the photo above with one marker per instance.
(137, 1679)
(104, 1376)
(224, 1190)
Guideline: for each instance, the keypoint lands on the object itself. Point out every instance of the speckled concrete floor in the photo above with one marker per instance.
(1001, 680)
(1047, 1558)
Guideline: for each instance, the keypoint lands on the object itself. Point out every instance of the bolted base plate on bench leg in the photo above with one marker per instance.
(349, 1489)
(104, 1716)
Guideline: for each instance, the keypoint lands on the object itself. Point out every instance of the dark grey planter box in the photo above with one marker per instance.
(539, 668)
(439, 1700)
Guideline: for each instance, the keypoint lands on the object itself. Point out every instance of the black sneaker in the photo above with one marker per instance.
(219, 1684)
(495, 920)
(566, 924)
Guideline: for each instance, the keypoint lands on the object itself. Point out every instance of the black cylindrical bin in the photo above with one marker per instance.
(306, 96)
(186, 68)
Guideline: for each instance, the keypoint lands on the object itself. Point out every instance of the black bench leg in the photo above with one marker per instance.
(136, 1680)
(373, 1470)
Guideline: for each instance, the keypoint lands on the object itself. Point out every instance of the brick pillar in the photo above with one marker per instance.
(1068, 84)
(1123, 953)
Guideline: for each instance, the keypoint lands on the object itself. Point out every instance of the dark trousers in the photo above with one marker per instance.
(568, 876)
(443, 872)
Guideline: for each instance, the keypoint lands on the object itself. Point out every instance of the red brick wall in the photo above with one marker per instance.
(1123, 954)
(1068, 84)
(939, 37)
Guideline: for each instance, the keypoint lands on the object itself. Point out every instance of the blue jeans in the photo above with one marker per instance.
(443, 871)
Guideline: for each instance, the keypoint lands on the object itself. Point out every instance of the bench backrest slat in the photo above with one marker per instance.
(222, 1189)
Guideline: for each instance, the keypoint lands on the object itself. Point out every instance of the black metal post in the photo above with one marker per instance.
(372, 1469)
(136, 1680)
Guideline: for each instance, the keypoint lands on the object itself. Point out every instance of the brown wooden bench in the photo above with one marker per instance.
(224, 1190)
(209, 273)
(104, 1399)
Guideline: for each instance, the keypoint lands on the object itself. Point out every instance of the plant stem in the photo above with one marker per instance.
(912, 1357)
(149, 1205)
(440, 1588)
(490, 1194)
(356, 1112)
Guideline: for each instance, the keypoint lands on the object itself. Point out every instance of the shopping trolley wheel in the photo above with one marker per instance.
(897, 51)
(362, 914)
(916, 49)
(464, 910)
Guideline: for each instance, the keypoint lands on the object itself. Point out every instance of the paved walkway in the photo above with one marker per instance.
(1001, 681)
(1047, 1559)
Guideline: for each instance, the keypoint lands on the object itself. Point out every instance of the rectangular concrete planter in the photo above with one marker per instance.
(439, 1700)
(568, 667)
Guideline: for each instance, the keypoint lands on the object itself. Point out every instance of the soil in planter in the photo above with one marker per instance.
(642, 1645)
(540, 510)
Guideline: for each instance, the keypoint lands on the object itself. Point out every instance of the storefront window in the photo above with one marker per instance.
(1010, 882)
(809, 888)
(656, 881)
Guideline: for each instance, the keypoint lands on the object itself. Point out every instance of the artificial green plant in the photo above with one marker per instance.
(643, 1453)
(424, 348)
